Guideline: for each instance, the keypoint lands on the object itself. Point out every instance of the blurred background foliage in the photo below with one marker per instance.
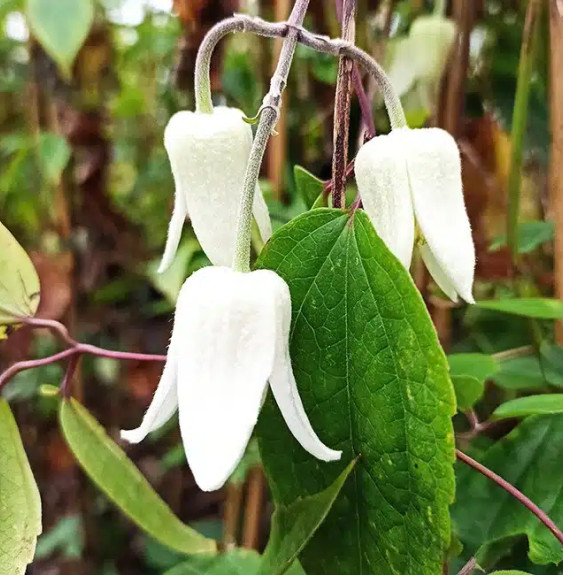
(86, 188)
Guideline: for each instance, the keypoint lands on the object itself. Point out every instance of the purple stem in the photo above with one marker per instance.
(509, 488)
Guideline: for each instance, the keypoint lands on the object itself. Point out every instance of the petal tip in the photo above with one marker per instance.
(332, 455)
(132, 435)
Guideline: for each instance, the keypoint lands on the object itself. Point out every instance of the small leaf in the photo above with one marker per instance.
(20, 504)
(530, 405)
(235, 562)
(529, 458)
(61, 26)
(308, 186)
(510, 572)
(468, 391)
(536, 307)
(531, 235)
(478, 365)
(108, 466)
(53, 154)
(526, 373)
(294, 525)
(552, 355)
(19, 283)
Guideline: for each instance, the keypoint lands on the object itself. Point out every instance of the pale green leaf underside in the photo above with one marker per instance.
(536, 307)
(374, 381)
(235, 562)
(19, 283)
(20, 504)
(294, 525)
(530, 405)
(114, 473)
(530, 458)
(61, 26)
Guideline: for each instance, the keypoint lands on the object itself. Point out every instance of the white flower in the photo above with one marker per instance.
(230, 336)
(208, 154)
(409, 182)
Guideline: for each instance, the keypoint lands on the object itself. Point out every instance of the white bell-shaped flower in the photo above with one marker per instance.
(411, 188)
(208, 154)
(230, 337)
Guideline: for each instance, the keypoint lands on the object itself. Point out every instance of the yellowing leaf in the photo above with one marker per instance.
(20, 504)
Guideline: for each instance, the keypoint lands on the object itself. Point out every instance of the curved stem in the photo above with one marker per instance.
(509, 488)
(268, 119)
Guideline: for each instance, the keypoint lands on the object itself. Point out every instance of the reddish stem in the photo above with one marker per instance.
(509, 488)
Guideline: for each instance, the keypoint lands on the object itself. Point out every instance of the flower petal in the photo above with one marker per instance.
(226, 322)
(437, 274)
(208, 155)
(283, 384)
(174, 231)
(437, 193)
(165, 400)
(381, 174)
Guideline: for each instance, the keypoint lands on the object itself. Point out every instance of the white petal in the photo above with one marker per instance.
(165, 400)
(400, 69)
(437, 274)
(174, 231)
(226, 322)
(262, 215)
(381, 174)
(283, 384)
(209, 154)
(437, 193)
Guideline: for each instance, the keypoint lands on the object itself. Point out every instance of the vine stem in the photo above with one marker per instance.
(509, 488)
(342, 108)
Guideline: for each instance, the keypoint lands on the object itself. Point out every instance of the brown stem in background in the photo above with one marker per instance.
(556, 175)
(277, 146)
(469, 567)
(253, 512)
(231, 515)
(342, 109)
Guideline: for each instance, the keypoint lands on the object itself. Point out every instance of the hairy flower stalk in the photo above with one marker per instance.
(208, 154)
(411, 187)
(230, 337)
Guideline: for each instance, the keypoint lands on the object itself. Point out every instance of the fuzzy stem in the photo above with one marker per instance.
(440, 7)
(268, 119)
(342, 108)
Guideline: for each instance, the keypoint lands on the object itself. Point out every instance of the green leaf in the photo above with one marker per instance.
(61, 26)
(294, 525)
(477, 365)
(536, 307)
(530, 459)
(552, 356)
(235, 562)
(531, 235)
(526, 373)
(66, 537)
(531, 405)
(510, 572)
(108, 466)
(468, 391)
(19, 283)
(308, 186)
(53, 154)
(374, 381)
(20, 504)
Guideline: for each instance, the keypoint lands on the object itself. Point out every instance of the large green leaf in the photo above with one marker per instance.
(19, 283)
(531, 405)
(535, 307)
(108, 466)
(294, 525)
(235, 562)
(530, 458)
(61, 26)
(374, 382)
(20, 505)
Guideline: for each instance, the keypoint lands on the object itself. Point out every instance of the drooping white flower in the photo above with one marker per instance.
(230, 337)
(208, 154)
(411, 188)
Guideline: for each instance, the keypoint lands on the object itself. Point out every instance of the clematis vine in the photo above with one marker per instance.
(411, 188)
(208, 154)
(230, 337)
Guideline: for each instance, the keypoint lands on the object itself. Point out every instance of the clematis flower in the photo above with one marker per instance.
(411, 188)
(230, 338)
(208, 154)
